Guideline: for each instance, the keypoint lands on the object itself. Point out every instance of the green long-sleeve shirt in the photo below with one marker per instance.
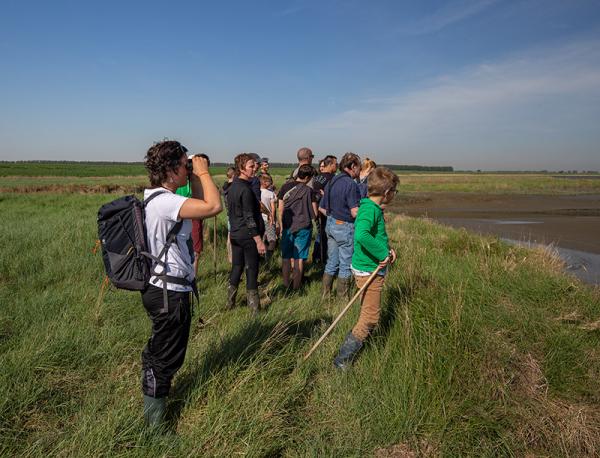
(370, 238)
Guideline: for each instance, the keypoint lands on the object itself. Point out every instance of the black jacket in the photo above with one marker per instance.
(243, 210)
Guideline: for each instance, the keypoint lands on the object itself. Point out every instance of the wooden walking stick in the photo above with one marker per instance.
(343, 312)
(215, 246)
(105, 283)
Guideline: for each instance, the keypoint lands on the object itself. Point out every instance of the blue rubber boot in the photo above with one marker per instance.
(348, 351)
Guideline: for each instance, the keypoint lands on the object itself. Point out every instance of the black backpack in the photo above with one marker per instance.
(122, 234)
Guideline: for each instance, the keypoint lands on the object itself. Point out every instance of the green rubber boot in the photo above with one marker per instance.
(154, 411)
(231, 294)
(253, 301)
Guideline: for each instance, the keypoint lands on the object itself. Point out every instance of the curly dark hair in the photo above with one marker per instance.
(162, 158)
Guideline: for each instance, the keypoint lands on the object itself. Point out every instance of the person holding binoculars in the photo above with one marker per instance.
(170, 310)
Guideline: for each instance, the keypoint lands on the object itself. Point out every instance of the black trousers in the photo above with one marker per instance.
(165, 351)
(320, 248)
(244, 255)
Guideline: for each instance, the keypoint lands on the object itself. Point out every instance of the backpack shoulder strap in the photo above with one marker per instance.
(156, 194)
(171, 237)
(172, 234)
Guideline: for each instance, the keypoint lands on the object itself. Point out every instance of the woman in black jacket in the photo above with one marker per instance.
(246, 230)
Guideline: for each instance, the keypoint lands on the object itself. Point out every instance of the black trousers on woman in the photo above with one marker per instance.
(165, 351)
(244, 255)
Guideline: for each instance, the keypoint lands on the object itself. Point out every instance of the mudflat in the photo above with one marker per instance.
(568, 221)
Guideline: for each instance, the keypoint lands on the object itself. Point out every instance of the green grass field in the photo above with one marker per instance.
(102, 178)
(484, 349)
(497, 183)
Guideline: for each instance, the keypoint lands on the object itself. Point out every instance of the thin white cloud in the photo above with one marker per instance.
(538, 103)
(449, 14)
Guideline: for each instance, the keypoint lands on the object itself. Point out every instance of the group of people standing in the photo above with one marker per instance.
(350, 240)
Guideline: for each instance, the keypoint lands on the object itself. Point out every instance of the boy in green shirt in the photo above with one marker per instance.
(371, 249)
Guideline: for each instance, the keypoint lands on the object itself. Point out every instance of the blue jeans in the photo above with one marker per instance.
(340, 246)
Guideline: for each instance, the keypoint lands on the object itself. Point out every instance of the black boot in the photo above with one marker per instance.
(347, 352)
(344, 287)
(327, 284)
(316, 259)
(253, 300)
(154, 411)
(231, 294)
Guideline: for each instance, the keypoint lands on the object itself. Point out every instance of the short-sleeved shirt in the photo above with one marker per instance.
(161, 214)
(341, 194)
(185, 191)
(267, 197)
(297, 206)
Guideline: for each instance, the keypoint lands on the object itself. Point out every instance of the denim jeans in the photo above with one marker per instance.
(340, 245)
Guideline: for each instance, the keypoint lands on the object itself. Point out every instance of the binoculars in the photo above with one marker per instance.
(189, 162)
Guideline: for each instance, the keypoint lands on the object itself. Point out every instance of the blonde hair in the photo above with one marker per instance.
(265, 179)
(368, 164)
(381, 180)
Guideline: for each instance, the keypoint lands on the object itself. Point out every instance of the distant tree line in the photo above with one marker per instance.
(420, 168)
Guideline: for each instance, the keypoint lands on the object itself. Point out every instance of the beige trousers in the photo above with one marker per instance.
(370, 306)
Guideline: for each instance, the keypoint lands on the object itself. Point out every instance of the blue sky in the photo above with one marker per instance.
(476, 84)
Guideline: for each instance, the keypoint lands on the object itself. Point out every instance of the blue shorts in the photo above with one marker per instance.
(295, 246)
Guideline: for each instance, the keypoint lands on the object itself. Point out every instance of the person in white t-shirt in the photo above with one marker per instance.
(267, 207)
(167, 165)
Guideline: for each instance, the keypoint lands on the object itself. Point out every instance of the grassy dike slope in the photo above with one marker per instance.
(484, 350)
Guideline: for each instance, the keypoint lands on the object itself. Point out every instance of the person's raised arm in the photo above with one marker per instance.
(205, 200)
